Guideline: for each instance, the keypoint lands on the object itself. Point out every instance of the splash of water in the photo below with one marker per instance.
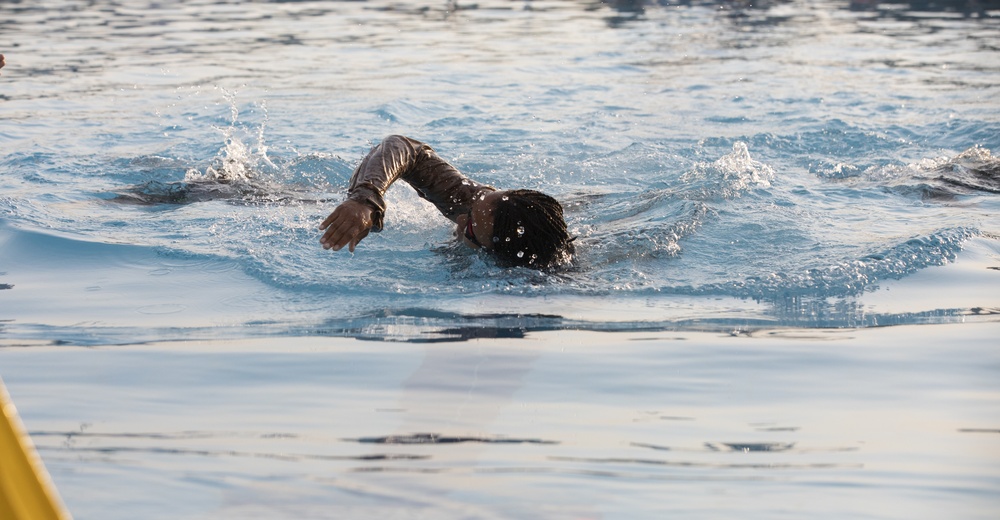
(237, 162)
(729, 176)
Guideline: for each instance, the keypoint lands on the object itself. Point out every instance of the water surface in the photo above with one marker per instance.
(786, 159)
(784, 302)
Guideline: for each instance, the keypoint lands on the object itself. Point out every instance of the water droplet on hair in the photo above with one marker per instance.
(520, 231)
(496, 239)
(520, 254)
(505, 198)
(506, 239)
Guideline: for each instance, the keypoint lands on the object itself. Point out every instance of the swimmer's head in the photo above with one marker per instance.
(519, 228)
(529, 230)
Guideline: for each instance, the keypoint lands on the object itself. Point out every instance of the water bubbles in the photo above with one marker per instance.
(496, 239)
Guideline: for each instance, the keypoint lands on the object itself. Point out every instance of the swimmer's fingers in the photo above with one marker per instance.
(347, 234)
(347, 225)
(339, 232)
(327, 221)
(334, 237)
(357, 239)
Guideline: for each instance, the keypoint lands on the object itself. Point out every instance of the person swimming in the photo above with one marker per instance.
(517, 227)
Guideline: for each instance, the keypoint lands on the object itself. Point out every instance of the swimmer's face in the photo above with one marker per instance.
(475, 229)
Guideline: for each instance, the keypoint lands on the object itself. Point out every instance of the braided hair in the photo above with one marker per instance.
(529, 230)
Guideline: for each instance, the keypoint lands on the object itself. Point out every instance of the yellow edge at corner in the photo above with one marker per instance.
(26, 491)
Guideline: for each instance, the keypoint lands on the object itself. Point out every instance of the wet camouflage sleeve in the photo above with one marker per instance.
(399, 157)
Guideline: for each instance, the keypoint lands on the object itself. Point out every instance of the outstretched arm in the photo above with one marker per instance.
(396, 157)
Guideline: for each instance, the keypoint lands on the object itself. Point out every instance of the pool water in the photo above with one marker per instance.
(703, 152)
(729, 169)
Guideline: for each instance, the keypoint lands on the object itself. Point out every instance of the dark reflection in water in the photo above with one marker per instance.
(751, 447)
(70, 444)
(741, 11)
(968, 7)
(431, 326)
(435, 438)
(298, 457)
(691, 464)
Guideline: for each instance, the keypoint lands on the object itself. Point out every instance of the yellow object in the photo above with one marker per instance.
(26, 492)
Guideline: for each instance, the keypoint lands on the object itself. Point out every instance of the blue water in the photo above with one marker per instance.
(758, 189)
(791, 156)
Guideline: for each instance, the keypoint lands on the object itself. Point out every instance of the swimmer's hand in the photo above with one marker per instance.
(346, 226)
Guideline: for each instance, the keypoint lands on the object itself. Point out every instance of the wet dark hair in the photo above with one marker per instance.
(529, 230)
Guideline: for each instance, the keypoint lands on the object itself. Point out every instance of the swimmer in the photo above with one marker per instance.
(516, 227)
